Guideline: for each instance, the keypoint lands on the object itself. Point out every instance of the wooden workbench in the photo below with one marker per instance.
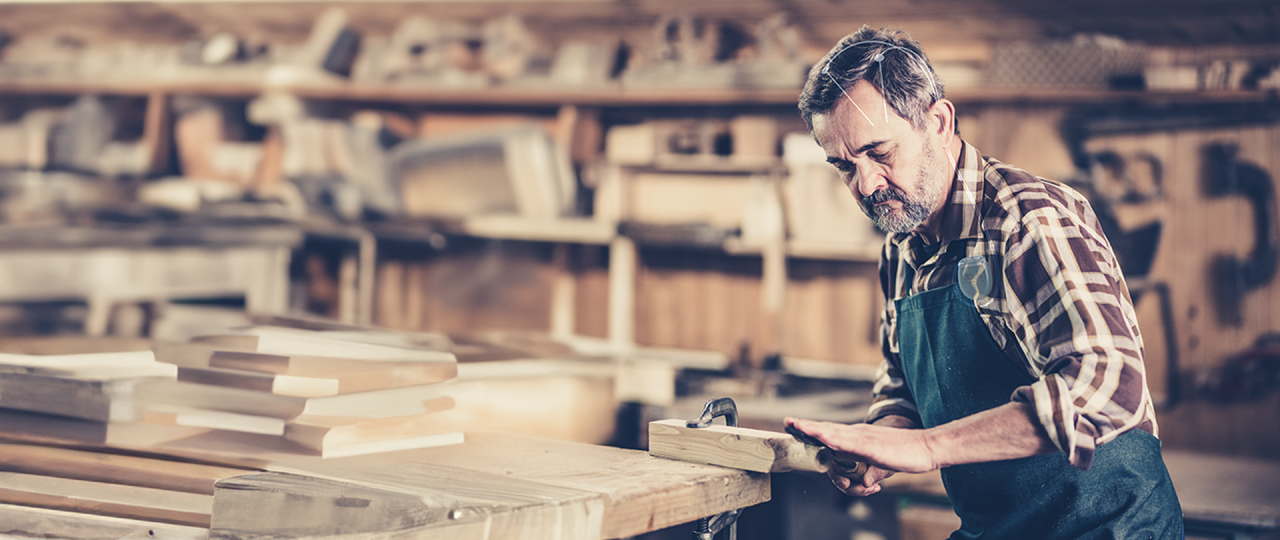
(105, 266)
(494, 486)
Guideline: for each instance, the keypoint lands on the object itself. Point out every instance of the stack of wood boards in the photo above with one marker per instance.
(52, 492)
(298, 391)
(223, 483)
(84, 398)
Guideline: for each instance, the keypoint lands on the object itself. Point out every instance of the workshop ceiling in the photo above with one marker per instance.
(1161, 22)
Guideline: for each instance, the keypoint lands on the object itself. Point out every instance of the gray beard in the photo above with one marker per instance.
(915, 208)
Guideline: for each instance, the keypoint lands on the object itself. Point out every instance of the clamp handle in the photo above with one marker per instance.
(714, 409)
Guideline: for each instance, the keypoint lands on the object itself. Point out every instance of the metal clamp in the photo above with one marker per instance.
(707, 528)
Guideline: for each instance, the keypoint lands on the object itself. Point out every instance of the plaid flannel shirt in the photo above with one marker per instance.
(1059, 307)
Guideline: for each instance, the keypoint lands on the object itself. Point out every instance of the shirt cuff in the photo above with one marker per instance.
(1068, 429)
(893, 407)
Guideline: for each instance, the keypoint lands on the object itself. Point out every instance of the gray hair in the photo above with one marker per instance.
(902, 74)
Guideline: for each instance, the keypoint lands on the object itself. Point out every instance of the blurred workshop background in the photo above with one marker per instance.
(621, 175)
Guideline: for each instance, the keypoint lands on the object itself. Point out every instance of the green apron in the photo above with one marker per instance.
(955, 369)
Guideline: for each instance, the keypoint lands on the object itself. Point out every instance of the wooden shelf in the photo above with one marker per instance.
(496, 227)
(604, 96)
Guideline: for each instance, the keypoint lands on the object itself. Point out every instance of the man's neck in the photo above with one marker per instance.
(931, 230)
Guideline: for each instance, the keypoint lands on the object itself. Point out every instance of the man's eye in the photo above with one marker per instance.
(878, 156)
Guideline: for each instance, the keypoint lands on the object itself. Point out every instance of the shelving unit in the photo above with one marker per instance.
(599, 105)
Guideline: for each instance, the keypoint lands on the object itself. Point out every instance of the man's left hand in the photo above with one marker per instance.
(892, 449)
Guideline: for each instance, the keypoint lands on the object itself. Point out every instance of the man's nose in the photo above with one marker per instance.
(869, 181)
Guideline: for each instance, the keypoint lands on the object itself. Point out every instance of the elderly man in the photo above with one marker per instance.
(1012, 357)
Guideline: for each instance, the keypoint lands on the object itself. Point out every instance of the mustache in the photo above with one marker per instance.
(887, 194)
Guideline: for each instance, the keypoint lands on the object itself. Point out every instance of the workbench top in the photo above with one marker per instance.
(493, 486)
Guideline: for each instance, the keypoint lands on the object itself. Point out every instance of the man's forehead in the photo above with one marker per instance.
(840, 130)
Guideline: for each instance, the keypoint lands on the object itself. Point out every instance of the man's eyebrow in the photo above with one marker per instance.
(862, 150)
(867, 147)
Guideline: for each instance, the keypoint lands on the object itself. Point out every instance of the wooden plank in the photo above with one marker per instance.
(350, 378)
(114, 468)
(377, 404)
(482, 489)
(106, 499)
(273, 383)
(736, 447)
(281, 505)
(106, 364)
(288, 341)
(41, 428)
(353, 375)
(91, 398)
(60, 525)
(214, 420)
(339, 436)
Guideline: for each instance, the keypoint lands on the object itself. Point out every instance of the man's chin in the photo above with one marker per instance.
(895, 224)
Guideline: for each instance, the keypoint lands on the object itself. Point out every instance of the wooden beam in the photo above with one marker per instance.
(106, 499)
(738, 448)
(114, 468)
(43, 428)
(45, 523)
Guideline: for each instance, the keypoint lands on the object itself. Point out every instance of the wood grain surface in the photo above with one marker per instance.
(493, 486)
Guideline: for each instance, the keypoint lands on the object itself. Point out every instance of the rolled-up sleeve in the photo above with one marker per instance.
(1070, 311)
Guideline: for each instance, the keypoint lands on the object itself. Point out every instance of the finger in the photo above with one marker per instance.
(841, 483)
(818, 430)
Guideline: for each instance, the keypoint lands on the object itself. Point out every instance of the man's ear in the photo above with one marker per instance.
(944, 118)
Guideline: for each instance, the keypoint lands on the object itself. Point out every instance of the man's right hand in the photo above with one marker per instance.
(867, 484)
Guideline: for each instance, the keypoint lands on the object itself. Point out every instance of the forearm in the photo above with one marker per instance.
(1009, 431)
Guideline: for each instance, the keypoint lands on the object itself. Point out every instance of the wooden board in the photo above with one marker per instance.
(272, 383)
(106, 499)
(378, 404)
(736, 447)
(24, 426)
(91, 398)
(325, 436)
(288, 341)
(60, 525)
(340, 435)
(114, 468)
(104, 365)
(353, 375)
(482, 489)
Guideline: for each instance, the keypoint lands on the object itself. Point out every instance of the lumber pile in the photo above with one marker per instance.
(93, 400)
(298, 391)
(80, 398)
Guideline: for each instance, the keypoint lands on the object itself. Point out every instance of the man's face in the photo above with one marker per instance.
(891, 168)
